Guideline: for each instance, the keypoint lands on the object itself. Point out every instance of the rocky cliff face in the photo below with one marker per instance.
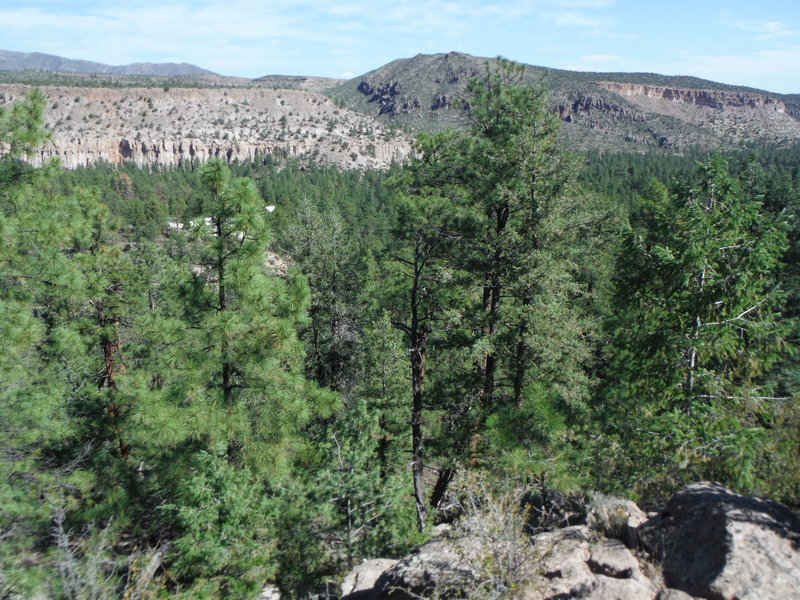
(727, 116)
(164, 126)
(707, 98)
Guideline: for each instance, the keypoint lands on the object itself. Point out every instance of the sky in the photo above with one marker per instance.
(756, 44)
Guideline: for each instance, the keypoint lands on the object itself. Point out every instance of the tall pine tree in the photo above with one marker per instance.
(700, 326)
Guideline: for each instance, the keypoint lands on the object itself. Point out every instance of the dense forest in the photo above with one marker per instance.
(199, 396)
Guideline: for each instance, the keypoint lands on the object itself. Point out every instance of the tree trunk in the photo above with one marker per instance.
(442, 483)
(110, 347)
(692, 367)
(418, 356)
(222, 306)
(521, 356)
(491, 306)
(493, 286)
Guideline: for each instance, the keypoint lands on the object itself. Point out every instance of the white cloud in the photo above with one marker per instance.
(767, 30)
(253, 37)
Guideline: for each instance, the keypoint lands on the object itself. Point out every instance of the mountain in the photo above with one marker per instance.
(619, 111)
(36, 61)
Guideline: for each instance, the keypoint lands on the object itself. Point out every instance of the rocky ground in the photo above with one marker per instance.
(708, 542)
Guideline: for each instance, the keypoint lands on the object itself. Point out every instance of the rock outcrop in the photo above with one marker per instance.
(360, 581)
(716, 544)
(726, 115)
(709, 98)
(441, 565)
(567, 563)
(709, 542)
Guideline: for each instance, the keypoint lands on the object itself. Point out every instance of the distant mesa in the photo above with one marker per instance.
(297, 82)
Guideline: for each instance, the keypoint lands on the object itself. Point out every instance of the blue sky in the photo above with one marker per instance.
(737, 42)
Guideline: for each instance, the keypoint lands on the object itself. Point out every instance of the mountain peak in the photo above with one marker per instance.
(598, 110)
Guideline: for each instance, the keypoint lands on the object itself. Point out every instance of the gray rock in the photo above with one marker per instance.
(671, 594)
(562, 558)
(566, 563)
(611, 558)
(612, 588)
(573, 563)
(358, 583)
(714, 543)
(616, 518)
(439, 567)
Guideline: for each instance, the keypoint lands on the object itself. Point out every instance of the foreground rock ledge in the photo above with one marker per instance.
(708, 542)
(714, 543)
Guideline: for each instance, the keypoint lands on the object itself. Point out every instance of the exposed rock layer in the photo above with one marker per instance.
(155, 126)
(709, 98)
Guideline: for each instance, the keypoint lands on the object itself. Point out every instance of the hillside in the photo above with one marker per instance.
(296, 82)
(167, 125)
(599, 110)
(247, 378)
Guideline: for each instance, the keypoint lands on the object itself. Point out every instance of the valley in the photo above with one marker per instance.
(450, 328)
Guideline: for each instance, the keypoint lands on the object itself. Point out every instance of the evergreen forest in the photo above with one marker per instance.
(200, 396)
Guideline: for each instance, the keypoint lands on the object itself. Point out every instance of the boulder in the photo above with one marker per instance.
(611, 588)
(714, 543)
(611, 558)
(358, 583)
(562, 561)
(439, 567)
(616, 518)
(671, 594)
(574, 563)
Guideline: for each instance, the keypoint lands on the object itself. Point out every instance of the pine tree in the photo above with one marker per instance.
(522, 250)
(702, 326)
(327, 252)
(242, 380)
(422, 281)
(493, 236)
(32, 227)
